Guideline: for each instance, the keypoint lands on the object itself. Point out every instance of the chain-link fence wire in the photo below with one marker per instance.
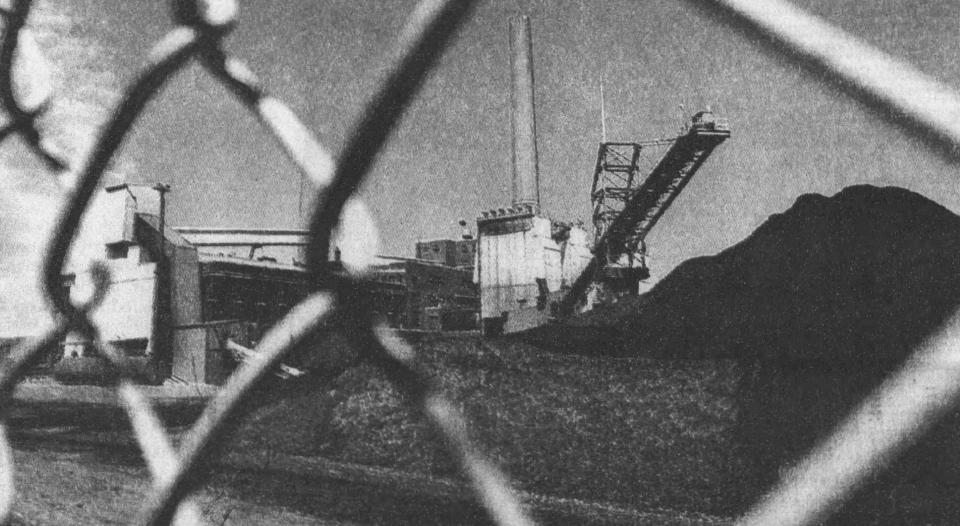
(806, 495)
(928, 385)
(200, 28)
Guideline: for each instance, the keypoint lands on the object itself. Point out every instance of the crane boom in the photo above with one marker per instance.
(649, 202)
(622, 228)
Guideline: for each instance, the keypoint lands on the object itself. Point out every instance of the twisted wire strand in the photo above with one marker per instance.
(159, 454)
(200, 28)
(928, 385)
(897, 91)
(175, 473)
(23, 118)
(166, 58)
(397, 358)
(432, 24)
(303, 319)
(430, 27)
(909, 402)
(12, 367)
(307, 154)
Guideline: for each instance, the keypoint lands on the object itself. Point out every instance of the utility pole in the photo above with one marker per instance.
(161, 338)
(162, 189)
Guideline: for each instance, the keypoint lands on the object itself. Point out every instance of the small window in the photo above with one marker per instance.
(117, 251)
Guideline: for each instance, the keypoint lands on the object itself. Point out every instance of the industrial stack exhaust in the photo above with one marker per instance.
(522, 264)
(526, 179)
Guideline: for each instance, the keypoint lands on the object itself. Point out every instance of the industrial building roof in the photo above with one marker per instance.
(211, 237)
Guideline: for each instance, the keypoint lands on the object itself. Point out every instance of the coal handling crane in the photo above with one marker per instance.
(625, 210)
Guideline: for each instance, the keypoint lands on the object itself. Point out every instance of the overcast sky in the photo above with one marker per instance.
(450, 158)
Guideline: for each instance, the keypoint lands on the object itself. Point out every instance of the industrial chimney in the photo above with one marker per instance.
(526, 180)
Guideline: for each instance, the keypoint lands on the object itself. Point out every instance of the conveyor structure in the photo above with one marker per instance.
(626, 210)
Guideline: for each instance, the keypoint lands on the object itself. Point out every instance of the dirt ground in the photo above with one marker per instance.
(65, 476)
(349, 450)
(60, 480)
(78, 488)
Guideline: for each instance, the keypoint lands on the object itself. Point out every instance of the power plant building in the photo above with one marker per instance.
(525, 261)
(178, 294)
(460, 253)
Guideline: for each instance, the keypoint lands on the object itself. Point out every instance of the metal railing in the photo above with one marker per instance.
(806, 495)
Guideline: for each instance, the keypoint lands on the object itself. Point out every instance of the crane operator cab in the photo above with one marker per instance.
(705, 120)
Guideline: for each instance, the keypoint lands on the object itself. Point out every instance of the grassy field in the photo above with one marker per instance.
(639, 433)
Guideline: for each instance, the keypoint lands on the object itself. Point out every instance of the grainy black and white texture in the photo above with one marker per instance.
(802, 126)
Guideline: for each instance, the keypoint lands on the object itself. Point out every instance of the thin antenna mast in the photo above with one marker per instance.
(603, 114)
(300, 200)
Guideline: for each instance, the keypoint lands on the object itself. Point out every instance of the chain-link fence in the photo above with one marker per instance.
(199, 30)
(807, 494)
(928, 385)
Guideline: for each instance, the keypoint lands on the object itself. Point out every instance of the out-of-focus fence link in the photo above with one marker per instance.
(200, 28)
(808, 494)
(899, 92)
(26, 93)
(928, 385)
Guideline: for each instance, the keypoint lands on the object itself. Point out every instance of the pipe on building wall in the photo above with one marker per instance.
(526, 179)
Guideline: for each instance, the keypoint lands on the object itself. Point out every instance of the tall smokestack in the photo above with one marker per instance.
(526, 179)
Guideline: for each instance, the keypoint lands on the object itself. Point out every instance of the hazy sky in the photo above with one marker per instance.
(450, 158)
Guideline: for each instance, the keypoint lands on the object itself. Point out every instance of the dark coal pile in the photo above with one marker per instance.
(862, 276)
(819, 304)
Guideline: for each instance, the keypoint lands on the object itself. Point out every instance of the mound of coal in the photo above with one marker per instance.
(593, 333)
(819, 304)
(859, 277)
